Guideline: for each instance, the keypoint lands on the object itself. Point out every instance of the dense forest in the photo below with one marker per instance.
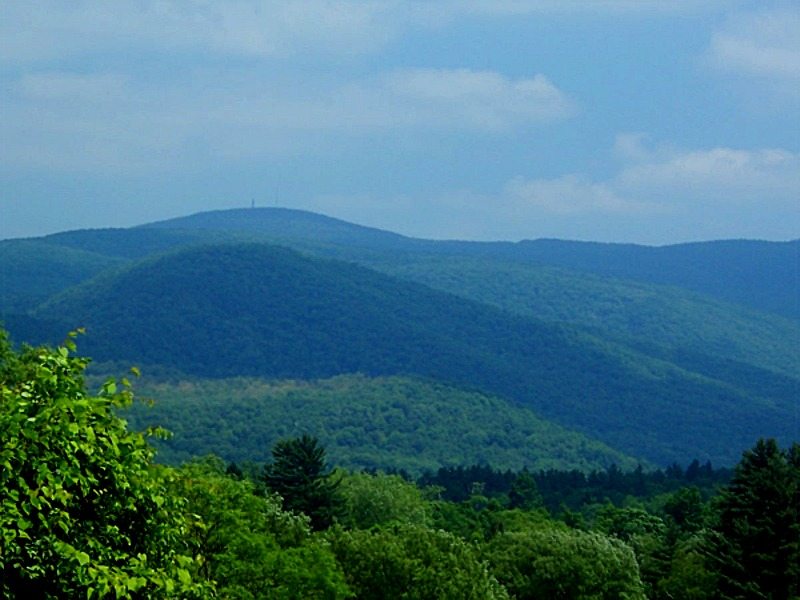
(661, 354)
(389, 423)
(325, 410)
(257, 310)
(86, 513)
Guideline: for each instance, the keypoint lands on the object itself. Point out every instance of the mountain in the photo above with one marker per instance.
(364, 423)
(667, 322)
(664, 321)
(763, 276)
(288, 225)
(757, 274)
(30, 271)
(257, 310)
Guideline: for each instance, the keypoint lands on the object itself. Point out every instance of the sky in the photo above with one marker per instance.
(646, 121)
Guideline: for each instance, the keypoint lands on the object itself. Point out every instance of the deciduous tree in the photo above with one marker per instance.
(83, 511)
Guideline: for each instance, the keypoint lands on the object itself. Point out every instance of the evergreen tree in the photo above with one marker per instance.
(299, 474)
(756, 547)
(524, 492)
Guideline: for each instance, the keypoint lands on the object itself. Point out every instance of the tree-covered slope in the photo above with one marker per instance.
(374, 423)
(31, 271)
(262, 311)
(758, 274)
(671, 320)
(126, 243)
(288, 225)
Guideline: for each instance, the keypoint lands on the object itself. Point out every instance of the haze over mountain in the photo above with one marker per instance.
(662, 373)
(762, 275)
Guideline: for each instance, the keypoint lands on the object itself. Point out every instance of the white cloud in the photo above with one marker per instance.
(105, 121)
(717, 175)
(483, 99)
(764, 44)
(721, 174)
(48, 30)
(664, 179)
(631, 146)
(658, 195)
(54, 30)
(569, 195)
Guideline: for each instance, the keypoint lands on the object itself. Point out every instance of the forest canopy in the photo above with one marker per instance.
(85, 512)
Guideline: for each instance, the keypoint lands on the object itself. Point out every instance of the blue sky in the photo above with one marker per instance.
(649, 121)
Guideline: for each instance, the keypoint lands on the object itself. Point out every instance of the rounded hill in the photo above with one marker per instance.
(258, 310)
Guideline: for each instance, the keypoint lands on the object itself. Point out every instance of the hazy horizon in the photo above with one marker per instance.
(608, 120)
(286, 208)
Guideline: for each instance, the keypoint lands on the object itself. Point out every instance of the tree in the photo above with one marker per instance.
(689, 577)
(253, 548)
(524, 492)
(686, 510)
(756, 546)
(369, 500)
(554, 562)
(410, 562)
(83, 511)
(646, 534)
(300, 476)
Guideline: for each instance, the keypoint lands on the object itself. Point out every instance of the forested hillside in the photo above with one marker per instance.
(388, 423)
(86, 513)
(760, 275)
(260, 311)
(666, 319)
(658, 372)
(31, 271)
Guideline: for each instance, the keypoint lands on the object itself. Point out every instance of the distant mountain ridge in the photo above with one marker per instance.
(578, 331)
(759, 274)
(256, 310)
(288, 224)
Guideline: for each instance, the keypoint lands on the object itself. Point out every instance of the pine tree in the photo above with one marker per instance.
(756, 547)
(299, 474)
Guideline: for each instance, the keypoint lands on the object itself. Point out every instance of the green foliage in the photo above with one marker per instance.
(686, 509)
(524, 492)
(475, 519)
(646, 534)
(82, 511)
(252, 548)
(756, 549)
(412, 562)
(690, 577)
(299, 475)
(551, 562)
(32, 271)
(669, 322)
(369, 500)
(299, 317)
(574, 490)
(364, 423)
